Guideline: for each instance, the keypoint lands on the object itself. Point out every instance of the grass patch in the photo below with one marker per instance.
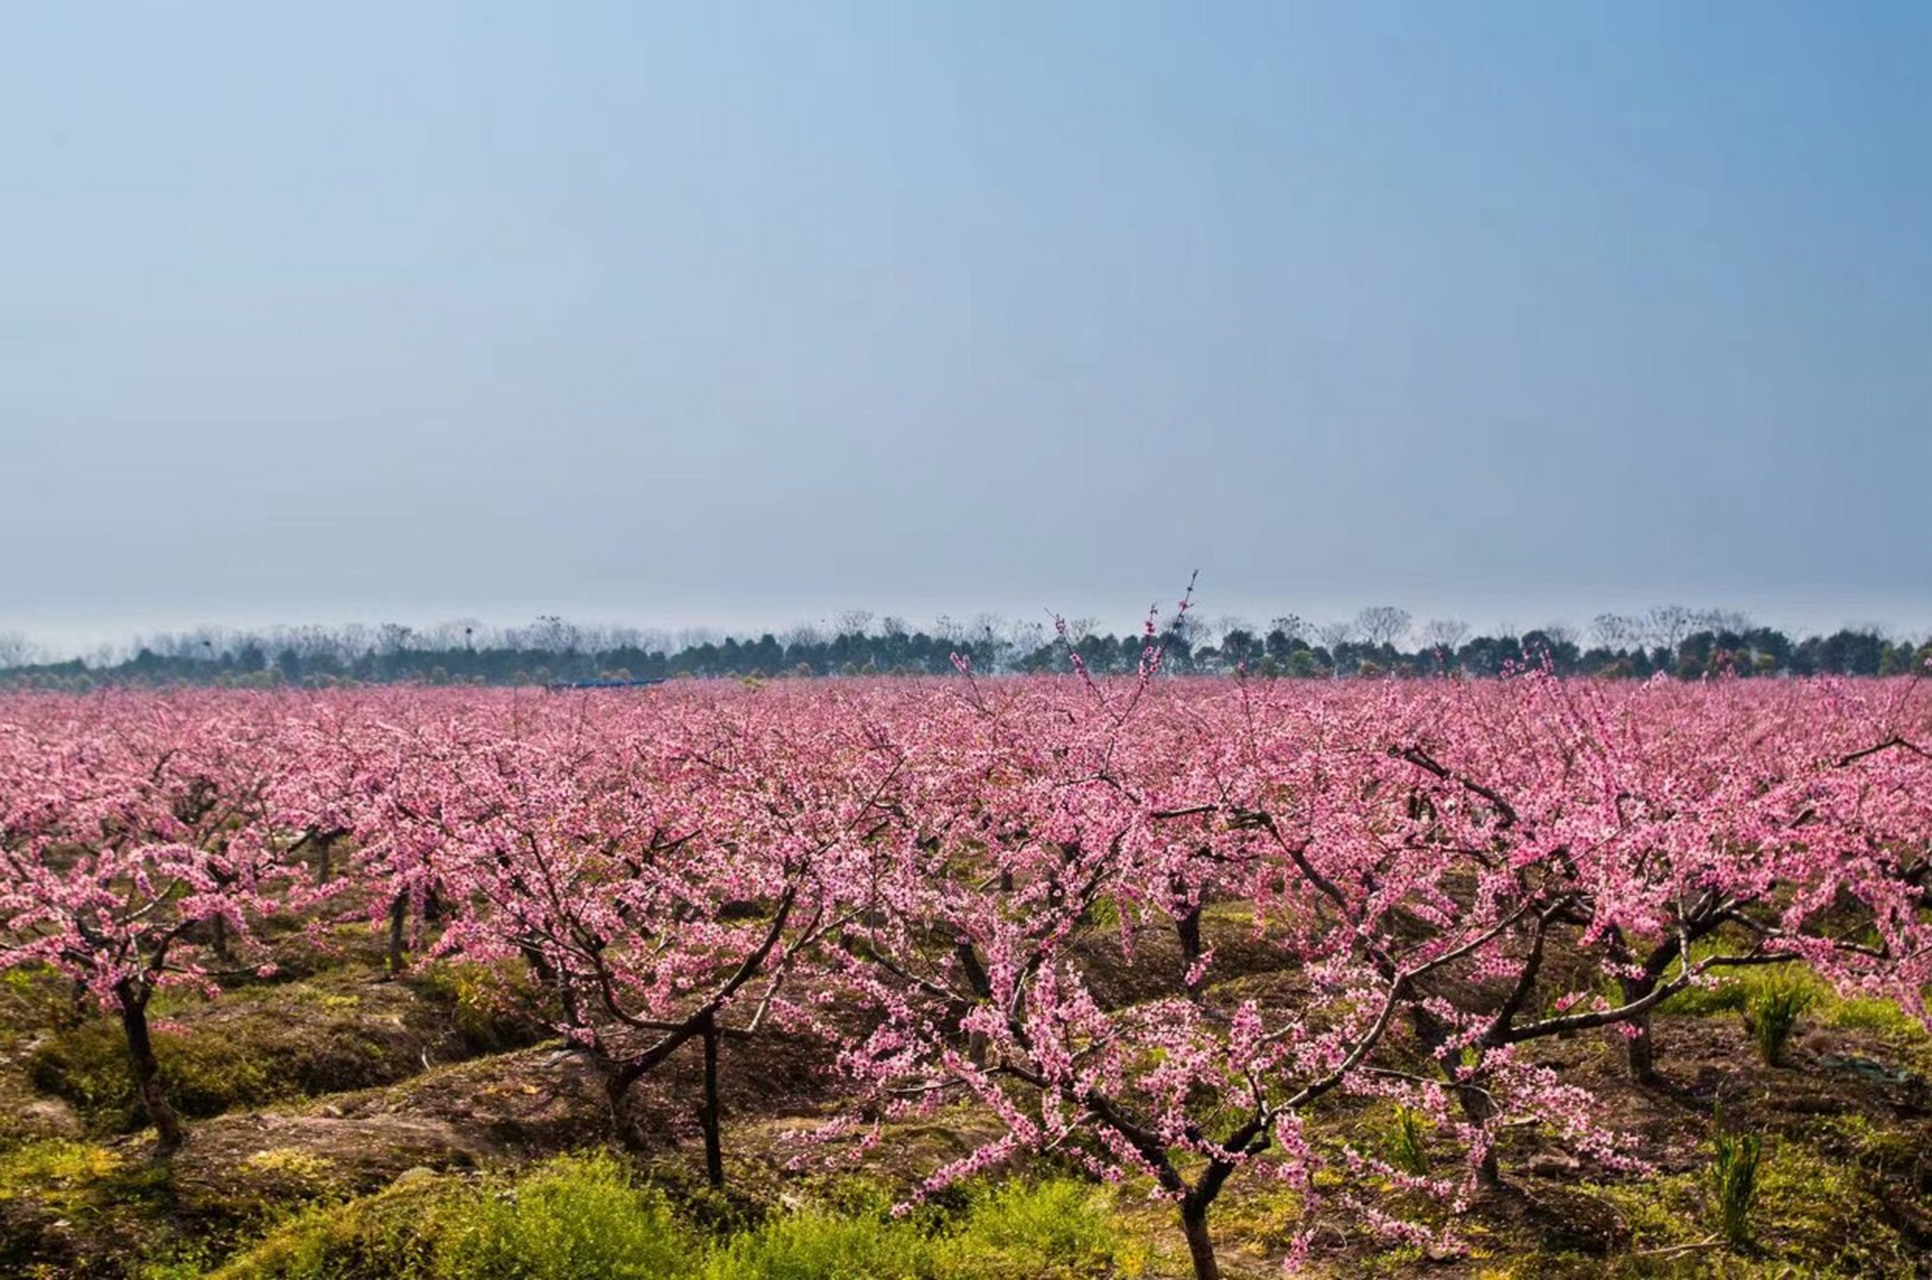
(1809, 1215)
(35, 998)
(587, 1216)
(1745, 991)
(245, 1050)
(576, 1216)
(493, 1005)
(63, 1176)
(76, 1209)
(390, 1234)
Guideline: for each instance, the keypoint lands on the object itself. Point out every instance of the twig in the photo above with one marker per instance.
(1670, 1250)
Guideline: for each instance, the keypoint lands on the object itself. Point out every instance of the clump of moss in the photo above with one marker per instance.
(33, 998)
(206, 1075)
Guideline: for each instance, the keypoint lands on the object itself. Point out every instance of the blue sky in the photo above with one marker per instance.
(750, 314)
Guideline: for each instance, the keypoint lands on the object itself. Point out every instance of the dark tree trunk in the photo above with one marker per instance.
(708, 1112)
(978, 982)
(617, 1088)
(398, 920)
(1200, 1247)
(1640, 1048)
(1188, 927)
(1470, 1096)
(147, 1070)
(1477, 1106)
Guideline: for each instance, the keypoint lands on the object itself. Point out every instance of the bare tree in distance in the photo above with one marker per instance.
(1445, 634)
(1666, 625)
(1333, 635)
(458, 633)
(1226, 623)
(1617, 630)
(16, 650)
(1026, 636)
(550, 633)
(855, 622)
(1383, 624)
(1188, 627)
(1292, 625)
(1734, 621)
(394, 637)
(695, 637)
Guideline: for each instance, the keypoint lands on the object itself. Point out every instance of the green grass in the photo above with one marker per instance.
(1772, 1010)
(1745, 991)
(70, 1202)
(1408, 1142)
(588, 1217)
(574, 1217)
(1734, 1184)
(492, 1005)
(63, 1176)
(268, 1045)
(1811, 1215)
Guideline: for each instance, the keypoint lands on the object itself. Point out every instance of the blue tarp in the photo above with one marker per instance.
(605, 684)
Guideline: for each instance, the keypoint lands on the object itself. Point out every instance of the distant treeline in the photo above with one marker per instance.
(1681, 642)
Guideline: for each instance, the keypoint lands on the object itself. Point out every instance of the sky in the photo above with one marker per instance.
(744, 315)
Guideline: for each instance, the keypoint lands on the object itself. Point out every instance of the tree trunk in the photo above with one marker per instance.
(1189, 928)
(708, 1112)
(976, 979)
(147, 1070)
(617, 1088)
(1472, 1098)
(1640, 1047)
(1480, 1109)
(1200, 1248)
(398, 918)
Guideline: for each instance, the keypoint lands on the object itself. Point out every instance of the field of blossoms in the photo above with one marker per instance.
(969, 976)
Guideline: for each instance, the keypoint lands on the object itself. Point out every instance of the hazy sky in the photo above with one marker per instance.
(749, 314)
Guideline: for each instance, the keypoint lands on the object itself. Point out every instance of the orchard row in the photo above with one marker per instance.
(1041, 896)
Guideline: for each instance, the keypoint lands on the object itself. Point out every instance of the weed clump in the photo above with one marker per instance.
(1734, 1184)
(1408, 1142)
(1771, 1013)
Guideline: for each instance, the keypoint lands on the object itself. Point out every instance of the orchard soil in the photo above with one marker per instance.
(337, 1082)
